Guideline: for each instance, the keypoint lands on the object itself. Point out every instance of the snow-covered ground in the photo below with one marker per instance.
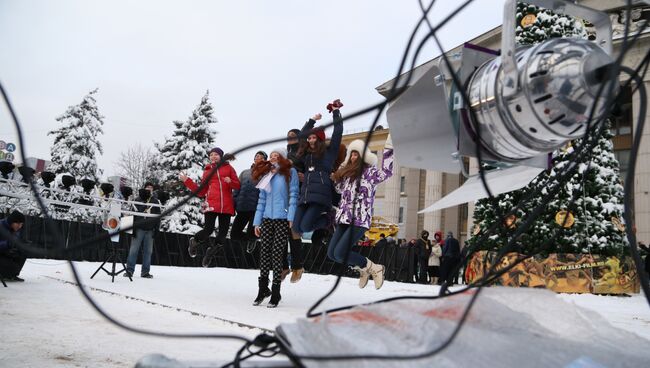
(45, 321)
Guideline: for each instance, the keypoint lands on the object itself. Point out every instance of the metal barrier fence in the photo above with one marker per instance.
(170, 249)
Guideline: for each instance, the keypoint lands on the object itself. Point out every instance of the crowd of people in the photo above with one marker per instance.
(312, 185)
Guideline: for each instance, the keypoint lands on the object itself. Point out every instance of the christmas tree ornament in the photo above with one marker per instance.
(476, 230)
(619, 225)
(510, 221)
(565, 219)
(528, 20)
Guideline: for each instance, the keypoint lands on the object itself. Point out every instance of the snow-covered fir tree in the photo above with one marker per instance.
(535, 24)
(186, 150)
(76, 143)
(597, 206)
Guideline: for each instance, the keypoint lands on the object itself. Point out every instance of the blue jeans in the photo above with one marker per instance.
(309, 217)
(343, 239)
(141, 236)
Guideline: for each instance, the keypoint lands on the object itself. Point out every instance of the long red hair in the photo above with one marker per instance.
(264, 167)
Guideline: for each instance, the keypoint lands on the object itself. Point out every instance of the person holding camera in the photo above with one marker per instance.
(143, 232)
(11, 259)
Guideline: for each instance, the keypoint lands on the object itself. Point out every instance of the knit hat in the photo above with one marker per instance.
(218, 150)
(319, 133)
(16, 217)
(263, 154)
(280, 150)
(295, 131)
(357, 145)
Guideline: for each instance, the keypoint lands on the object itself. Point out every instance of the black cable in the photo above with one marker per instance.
(310, 312)
(586, 134)
(468, 308)
(380, 108)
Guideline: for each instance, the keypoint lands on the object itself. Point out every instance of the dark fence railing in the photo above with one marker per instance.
(170, 249)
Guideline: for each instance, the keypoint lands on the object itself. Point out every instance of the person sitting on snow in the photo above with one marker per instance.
(11, 259)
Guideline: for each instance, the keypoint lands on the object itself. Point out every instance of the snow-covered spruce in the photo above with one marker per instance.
(596, 202)
(186, 150)
(76, 143)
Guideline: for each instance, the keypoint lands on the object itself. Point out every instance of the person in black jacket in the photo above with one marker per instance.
(143, 233)
(450, 259)
(12, 259)
(423, 253)
(246, 202)
(317, 159)
(646, 249)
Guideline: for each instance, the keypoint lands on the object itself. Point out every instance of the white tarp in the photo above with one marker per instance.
(507, 327)
(499, 181)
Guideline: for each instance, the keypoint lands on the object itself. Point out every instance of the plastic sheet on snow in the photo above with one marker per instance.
(507, 327)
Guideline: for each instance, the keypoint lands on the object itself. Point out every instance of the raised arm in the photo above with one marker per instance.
(335, 142)
(386, 170)
(309, 125)
(191, 185)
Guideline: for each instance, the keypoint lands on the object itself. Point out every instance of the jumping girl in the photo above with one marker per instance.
(317, 159)
(218, 203)
(276, 208)
(357, 181)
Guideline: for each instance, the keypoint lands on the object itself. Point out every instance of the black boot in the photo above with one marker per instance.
(275, 296)
(263, 292)
(192, 248)
(210, 253)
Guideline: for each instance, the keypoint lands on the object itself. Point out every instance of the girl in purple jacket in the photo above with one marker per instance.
(357, 181)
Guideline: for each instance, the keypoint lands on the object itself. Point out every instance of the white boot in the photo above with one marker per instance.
(377, 273)
(363, 275)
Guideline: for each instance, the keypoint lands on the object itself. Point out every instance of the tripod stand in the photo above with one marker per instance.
(112, 256)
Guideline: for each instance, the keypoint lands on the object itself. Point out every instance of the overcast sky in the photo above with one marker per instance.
(269, 65)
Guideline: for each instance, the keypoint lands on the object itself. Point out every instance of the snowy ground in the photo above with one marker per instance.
(46, 322)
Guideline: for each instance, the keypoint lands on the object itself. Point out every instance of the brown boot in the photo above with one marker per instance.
(296, 275)
(364, 275)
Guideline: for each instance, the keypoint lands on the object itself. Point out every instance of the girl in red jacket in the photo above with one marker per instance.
(218, 203)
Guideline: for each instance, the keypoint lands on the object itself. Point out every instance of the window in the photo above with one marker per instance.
(622, 114)
(402, 184)
(623, 158)
(400, 219)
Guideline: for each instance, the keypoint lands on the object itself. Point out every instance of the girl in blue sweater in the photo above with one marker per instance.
(276, 208)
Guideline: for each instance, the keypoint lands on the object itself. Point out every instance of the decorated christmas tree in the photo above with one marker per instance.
(186, 151)
(76, 142)
(587, 212)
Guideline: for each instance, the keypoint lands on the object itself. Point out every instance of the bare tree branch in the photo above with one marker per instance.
(134, 165)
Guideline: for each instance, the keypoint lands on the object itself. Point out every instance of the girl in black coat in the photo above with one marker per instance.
(317, 159)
